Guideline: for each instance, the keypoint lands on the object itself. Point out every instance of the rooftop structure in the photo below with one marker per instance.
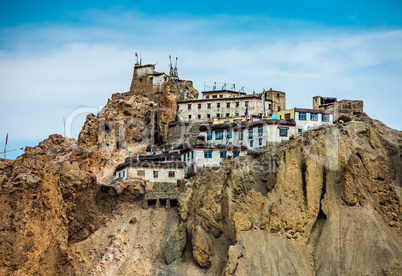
(341, 109)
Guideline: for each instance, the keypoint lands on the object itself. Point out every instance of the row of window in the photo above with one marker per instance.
(283, 132)
(141, 173)
(219, 134)
(208, 154)
(218, 105)
(214, 96)
(313, 117)
(218, 115)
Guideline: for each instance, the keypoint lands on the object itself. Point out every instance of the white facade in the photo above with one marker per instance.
(310, 119)
(153, 174)
(206, 110)
(252, 135)
(158, 80)
(122, 173)
(259, 136)
(197, 158)
(219, 137)
(220, 94)
(145, 70)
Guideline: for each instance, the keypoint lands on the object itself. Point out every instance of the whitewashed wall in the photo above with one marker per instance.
(122, 173)
(198, 161)
(308, 124)
(163, 174)
(145, 70)
(254, 108)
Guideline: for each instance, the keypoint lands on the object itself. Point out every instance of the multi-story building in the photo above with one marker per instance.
(256, 134)
(228, 104)
(307, 119)
(198, 156)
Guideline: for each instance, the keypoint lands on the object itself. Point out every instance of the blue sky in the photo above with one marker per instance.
(59, 57)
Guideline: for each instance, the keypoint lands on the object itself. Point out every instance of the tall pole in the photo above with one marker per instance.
(5, 146)
(64, 123)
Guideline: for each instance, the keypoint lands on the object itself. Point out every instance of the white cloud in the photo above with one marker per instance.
(68, 67)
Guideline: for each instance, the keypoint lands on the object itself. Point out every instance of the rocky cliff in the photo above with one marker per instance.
(325, 203)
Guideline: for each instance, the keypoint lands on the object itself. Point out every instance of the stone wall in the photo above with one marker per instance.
(278, 99)
(347, 108)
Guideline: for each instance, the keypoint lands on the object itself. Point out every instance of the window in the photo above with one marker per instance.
(124, 173)
(207, 154)
(279, 108)
(246, 104)
(219, 135)
(313, 116)
(218, 115)
(189, 116)
(140, 173)
(237, 114)
(299, 130)
(260, 141)
(184, 157)
(227, 105)
(250, 134)
(227, 114)
(223, 154)
(218, 105)
(235, 154)
(171, 174)
(237, 104)
(229, 133)
(199, 116)
(199, 106)
(325, 118)
(214, 97)
(241, 135)
(260, 131)
(220, 96)
(189, 106)
(155, 174)
(302, 116)
(209, 116)
(209, 105)
(287, 116)
(283, 132)
(192, 155)
(251, 143)
(206, 97)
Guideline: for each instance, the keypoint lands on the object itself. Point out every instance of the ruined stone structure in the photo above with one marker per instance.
(147, 82)
(162, 194)
(342, 109)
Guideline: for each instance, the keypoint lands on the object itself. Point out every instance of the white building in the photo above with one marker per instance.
(307, 119)
(199, 157)
(222, 104)
(154, 169)
(252, 135)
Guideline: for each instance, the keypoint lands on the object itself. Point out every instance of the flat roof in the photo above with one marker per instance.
(248, 97)
(312, 110)
(150, 164)
(223, 91)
